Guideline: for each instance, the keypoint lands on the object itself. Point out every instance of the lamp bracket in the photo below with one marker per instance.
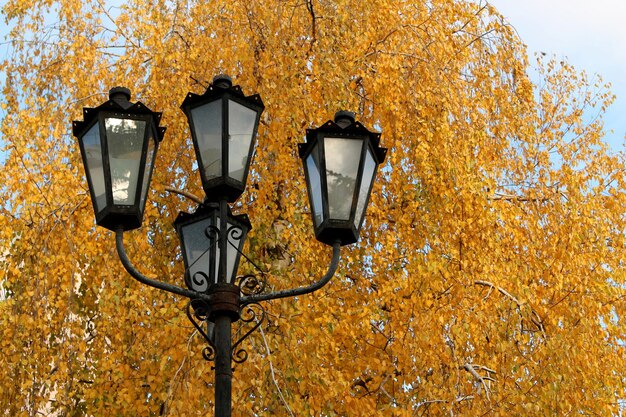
(252, 313)
(121, 251)
(198, 313)
(332, 268)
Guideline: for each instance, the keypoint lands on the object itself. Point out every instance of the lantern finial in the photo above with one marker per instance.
(222, 81)
(120, 95)
(344, 118)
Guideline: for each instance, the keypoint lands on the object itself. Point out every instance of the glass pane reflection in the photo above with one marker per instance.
(125, 143)
(148, 170)
(342, 166)
(199, 248)
(241, 122)
(368, 176)
(315, 183)
(95, 171)
(197, 251)
(234, 243)
(207, 122)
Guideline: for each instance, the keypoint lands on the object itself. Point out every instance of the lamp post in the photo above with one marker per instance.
(118, 142)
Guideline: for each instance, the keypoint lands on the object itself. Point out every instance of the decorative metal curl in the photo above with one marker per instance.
(212, 232)
(248, 315)
(234, 232)
(198, 312)
(208, 353)
(251, 284)
(198, 282)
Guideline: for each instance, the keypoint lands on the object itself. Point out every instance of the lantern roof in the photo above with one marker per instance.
(118, 102)
(343, 126)
(221, 85)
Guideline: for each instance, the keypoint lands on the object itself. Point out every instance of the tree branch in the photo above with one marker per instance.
(482, 379)
(535, 318)
(189, 195)
(269, 359)
(309, 6)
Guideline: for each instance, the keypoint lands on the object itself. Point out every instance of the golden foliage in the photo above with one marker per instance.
(488, 279)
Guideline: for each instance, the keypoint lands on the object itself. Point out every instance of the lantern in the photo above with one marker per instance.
(223, 124)
(340, 162)
(118, 142)
(200, 234)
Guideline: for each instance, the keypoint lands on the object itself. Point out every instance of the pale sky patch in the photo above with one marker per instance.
(590, 35)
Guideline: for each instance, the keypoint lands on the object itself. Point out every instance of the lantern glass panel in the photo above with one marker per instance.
(199, 248)
(125, 142)
(232, 255)
(342, 167)
(148, 169)
(369, 170)
(197, 252)
(241, 121)
(93, 156)
(207, 122)
(315, 185)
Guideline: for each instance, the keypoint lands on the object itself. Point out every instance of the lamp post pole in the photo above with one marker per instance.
(119, 141)
(223, 369)
(223, 336)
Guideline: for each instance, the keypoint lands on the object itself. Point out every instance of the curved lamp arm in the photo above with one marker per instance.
(302, 290)
(119, 241)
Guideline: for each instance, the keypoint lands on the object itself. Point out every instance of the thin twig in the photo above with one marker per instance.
(171, 386)
(535, 318)
(280, 392)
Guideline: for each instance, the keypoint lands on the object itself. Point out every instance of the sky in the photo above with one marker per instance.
(591, 35)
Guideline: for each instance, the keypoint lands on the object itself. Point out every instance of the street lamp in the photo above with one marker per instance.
(340, 161)
(119, 141)
(223, 124)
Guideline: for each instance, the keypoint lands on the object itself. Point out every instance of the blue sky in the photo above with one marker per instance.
(590, 34)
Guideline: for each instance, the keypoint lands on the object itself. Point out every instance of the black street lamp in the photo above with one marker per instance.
(340, 161)
(118, 142)
(223, 124)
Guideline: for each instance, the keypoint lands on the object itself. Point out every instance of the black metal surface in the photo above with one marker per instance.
(223, 368)
(113, 216)
(119, 240)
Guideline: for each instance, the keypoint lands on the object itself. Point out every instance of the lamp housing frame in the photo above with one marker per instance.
(110, 215)
(221, 89)
(329, 230)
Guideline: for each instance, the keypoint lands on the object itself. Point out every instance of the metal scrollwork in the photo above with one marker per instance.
(199, 281)
(212, 233)
(234, 233)
(252, 284)
(252, 313)
(197, 312)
